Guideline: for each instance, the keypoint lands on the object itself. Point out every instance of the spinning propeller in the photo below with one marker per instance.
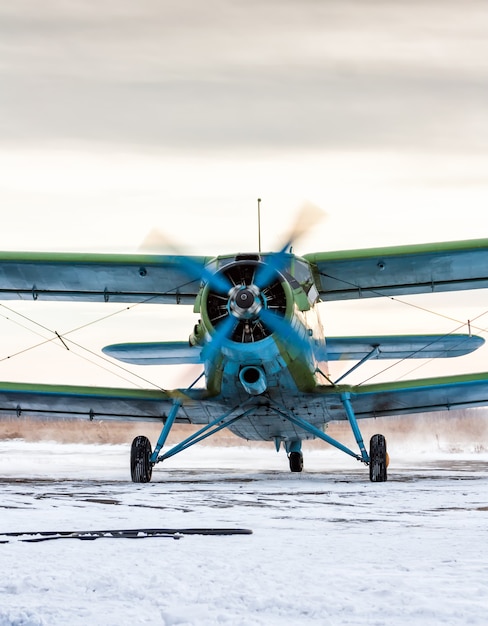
(244, 306)
(248, 297)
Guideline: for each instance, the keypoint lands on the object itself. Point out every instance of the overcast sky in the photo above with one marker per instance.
(127, 115)
(119, 116)
(234, 75)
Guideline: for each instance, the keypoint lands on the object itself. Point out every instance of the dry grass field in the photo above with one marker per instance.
(455, 431)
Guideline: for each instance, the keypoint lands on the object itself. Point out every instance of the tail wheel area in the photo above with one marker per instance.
(296, 461)
(378, 459)
(140, 460)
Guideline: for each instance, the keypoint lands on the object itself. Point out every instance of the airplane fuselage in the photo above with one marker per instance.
(262, 338)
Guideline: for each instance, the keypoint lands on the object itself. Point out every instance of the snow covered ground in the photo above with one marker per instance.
(328, 547)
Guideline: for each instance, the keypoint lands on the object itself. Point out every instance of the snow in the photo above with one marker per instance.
(328, 547)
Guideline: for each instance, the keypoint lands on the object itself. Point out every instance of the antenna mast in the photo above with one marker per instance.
(259, 225)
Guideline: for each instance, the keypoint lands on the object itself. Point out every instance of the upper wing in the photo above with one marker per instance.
(401, 270)
(100, 277)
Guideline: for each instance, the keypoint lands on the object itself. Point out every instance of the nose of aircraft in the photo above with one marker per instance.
(245, 302)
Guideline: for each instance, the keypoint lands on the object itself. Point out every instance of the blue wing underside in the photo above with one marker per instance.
(402, 270)
(159, 279)
(336, 349)
(352, 274)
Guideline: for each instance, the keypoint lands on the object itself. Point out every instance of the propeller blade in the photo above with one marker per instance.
(222, 334)
(218, 282)
(267, 272)
(307, 217)
(285, 330)
(156, 242)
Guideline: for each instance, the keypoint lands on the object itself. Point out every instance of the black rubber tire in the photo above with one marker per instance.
(140, 463)
(378, 459)
(296, 461)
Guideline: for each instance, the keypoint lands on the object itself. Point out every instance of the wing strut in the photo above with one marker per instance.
(374, 352)
(346, 401)
(316, 432)
(143, 459)
(210, 429)
(170, 420)
(226, 419)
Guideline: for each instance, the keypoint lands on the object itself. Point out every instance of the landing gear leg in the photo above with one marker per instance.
(378, 459)
(140, 460)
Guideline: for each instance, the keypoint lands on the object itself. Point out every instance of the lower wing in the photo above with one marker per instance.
(411, 396)
(337, 348)
(322, 405)
(102, 403)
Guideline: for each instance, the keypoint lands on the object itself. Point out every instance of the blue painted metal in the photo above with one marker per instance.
(401, 346)
(165, 432)
(337, 348)
(207, 431)
(310, 428)
(170, 420)
(293, 446)
(401, 270)
(346, 401)
(288, 333)
(220, 337)
(253, 379)
(155, 353)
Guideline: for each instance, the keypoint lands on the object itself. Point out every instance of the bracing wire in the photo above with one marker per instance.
(460, 326)
(64, 337)
(389, 367)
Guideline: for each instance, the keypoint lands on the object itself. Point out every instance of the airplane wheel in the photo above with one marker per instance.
(140, 463)
(378, 459)
(296, 461)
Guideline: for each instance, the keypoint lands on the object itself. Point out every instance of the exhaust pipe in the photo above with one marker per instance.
(253, 379)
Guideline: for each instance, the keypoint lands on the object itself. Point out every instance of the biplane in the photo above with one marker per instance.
(259, 340)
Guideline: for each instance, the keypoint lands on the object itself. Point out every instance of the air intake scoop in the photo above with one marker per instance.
(253, 379)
